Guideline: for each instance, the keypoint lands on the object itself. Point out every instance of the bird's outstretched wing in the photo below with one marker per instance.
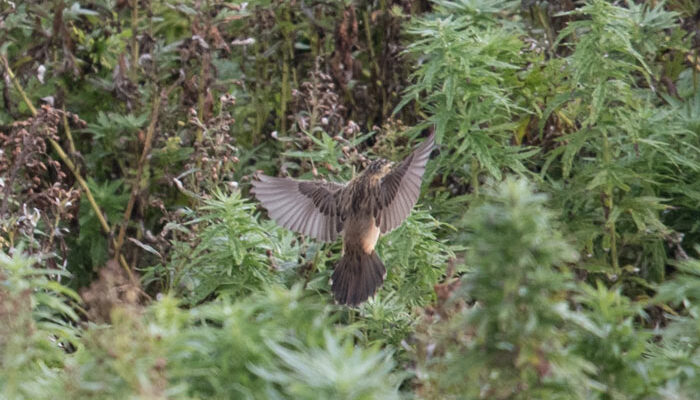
(306, 207)
(399, 189)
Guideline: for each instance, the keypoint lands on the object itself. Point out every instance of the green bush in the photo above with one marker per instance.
(251, 348)
(36, 325)
(502, 334)
(223, 250)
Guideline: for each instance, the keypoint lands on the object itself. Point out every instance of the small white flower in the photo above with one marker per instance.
(243, 42)
(40, 72)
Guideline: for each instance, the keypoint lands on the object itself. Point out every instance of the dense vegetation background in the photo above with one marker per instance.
(553, 254)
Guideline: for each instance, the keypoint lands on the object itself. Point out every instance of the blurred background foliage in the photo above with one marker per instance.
(553, 253)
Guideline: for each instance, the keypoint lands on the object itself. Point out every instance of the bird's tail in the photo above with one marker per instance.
(356, 277)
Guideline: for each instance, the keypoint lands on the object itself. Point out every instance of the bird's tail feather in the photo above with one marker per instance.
(356, 277)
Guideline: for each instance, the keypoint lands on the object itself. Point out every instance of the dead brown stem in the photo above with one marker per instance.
(143, 163)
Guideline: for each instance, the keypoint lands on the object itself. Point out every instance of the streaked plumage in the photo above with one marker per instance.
(375, 202)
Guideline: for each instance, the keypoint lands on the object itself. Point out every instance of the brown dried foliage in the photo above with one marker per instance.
(317, 104)
(15, 315)
(35, 187)
(112, 289)
(214, 157)
(342, 63)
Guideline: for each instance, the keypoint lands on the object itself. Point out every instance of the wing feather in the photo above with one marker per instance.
(305, 219)
(296, 222)
(400, 188)
(307, 207)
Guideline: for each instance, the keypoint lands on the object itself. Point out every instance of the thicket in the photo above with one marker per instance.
(553, 253)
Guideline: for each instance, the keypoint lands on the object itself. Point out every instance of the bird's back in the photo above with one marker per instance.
(359, 196)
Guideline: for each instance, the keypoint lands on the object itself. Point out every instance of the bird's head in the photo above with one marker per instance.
(379, 167)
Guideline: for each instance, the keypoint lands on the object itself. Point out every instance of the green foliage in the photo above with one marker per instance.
(36, 314)
(225, 250)
(224, 349)
(335, 371)
(112, 133)
(677, 354)
(510, 343)
(469, 85)
(633, 143)
(610, 340)
(413, 253)
(510, 331)
(91, 243)
(612, 149)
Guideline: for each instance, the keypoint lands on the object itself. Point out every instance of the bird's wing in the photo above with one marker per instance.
(307, 207)
(399, 189)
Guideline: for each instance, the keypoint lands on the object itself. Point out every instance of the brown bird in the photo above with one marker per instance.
(373, 203)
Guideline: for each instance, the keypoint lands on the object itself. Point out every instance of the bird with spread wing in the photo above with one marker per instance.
(373, 203)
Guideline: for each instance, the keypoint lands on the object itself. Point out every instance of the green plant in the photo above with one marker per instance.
(37, 316)
(224, 250)
(469, 85)
(625, 144)
(501, 335)
(226, 349)
(336, 370)
(677, 353)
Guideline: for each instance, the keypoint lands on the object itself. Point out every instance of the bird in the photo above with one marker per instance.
(371, 204)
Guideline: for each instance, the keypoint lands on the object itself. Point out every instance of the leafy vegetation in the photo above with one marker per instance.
(553, 253)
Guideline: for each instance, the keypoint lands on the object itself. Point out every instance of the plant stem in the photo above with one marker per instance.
(201, 102)
(134, 37)
(136, 185)
(376, 70)
(286, 59)
(258, 95)
(608, 204)
(474, 170)
(17, 85)
(69, 135)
